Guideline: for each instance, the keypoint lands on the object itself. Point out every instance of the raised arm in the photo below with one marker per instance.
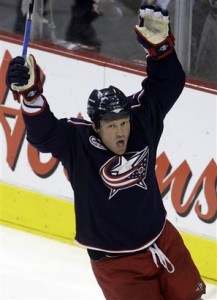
(44, 131)
(166, 77)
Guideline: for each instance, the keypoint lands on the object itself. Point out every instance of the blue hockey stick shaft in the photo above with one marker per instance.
(27, 29)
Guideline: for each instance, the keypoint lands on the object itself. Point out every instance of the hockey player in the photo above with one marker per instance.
(135, 252)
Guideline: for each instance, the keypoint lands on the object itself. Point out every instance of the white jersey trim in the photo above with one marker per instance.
(32, 108)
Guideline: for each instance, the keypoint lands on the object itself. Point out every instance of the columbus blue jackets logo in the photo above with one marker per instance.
(96, 142)
(122, 172)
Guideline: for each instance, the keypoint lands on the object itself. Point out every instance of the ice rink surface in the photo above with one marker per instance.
(33, 267)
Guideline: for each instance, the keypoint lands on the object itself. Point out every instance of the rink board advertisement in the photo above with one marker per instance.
(34, 190)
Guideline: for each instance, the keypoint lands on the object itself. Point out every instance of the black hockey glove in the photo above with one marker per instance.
(23, 78)
(153, 32)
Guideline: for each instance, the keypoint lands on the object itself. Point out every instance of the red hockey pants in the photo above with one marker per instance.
(137, 277)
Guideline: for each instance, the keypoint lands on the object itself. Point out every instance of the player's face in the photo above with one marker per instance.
(115, 134)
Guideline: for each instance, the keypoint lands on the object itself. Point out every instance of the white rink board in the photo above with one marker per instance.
(189, 134)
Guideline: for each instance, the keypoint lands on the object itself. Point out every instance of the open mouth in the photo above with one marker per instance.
(120, 143)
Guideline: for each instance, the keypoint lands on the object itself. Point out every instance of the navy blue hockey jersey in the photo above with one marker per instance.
(118, 204)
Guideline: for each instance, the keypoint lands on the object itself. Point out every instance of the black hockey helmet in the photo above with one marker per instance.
(107, 104)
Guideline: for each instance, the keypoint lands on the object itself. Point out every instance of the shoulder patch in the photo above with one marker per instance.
(96, 142)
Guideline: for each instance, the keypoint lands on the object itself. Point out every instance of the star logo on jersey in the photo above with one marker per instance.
(122, 172)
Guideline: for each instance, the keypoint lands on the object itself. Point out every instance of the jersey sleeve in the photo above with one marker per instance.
(44, 131)
(164, 83)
